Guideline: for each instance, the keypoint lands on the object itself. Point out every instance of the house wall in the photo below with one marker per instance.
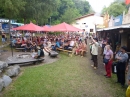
(88, 23)
(126, 18)
(111, 22)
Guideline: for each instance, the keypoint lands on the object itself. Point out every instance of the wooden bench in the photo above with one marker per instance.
(20, 49)
(53, 54)
(32, 61)
(69, 52)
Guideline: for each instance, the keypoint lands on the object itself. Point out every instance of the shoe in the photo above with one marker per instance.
(108, 77)
(92, 65)
(123, 86)
(105, 75)
(95, 68)
(117, 82)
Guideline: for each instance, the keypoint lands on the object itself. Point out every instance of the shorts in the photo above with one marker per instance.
(3, 39)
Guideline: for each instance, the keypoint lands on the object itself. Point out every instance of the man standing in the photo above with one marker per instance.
(121, 66)
(94, 52)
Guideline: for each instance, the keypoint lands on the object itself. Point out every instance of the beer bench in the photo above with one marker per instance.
(20, 49)
(31, 61)
(68, 51)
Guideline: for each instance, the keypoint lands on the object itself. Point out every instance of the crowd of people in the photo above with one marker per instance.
(78, 45)
(73, 42)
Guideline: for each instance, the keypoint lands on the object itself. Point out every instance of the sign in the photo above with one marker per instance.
(4, 20)
(118, 20)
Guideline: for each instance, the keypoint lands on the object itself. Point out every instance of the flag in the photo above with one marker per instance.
(127, 2)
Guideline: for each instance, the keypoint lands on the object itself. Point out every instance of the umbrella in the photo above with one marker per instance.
(29, 27)
(46, 28)
(64, 27)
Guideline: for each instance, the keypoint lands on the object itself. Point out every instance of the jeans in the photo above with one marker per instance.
(95, 60)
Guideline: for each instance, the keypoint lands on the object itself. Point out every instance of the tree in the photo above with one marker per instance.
(11, 8)
(69, 15)
(115, 9)
(83, 6)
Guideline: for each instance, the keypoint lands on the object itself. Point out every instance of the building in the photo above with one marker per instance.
(4, 24)
(118, 31)
(88, 22)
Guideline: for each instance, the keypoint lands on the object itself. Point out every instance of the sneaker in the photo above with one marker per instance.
(108, 77)
(92, 65)
(95, 68)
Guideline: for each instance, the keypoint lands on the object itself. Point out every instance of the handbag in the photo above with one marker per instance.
(105, 60)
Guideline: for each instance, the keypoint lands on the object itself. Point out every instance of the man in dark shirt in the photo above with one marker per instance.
(121, 65)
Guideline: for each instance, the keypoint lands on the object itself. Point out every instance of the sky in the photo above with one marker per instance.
(98, 5)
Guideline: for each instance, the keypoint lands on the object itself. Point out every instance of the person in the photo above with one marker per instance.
(103, 45)
(28, 46)
(40, 53)
(128, 88)
(3, 38)
(128, 80)
(108, 64)
(94, 51)
(33, 46)
(57, 45)
(83, 49)
(105, 49)
(122, 58)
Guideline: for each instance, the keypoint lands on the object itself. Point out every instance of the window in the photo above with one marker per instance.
(91, 30)
(83, 23)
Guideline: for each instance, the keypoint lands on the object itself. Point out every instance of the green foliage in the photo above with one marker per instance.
(69, 15)
(115, 9)
(11, 8)
(41, 10)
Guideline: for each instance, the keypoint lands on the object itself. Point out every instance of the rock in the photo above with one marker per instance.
(7, 80)
(1, 84)
(3, 65)
(53, 54)
(13, 71)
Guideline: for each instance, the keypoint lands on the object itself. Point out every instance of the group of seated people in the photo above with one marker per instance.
(51, 42)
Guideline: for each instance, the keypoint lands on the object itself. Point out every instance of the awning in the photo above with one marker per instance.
(115, 27)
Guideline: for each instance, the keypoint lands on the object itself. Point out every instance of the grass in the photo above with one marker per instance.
(68, 77)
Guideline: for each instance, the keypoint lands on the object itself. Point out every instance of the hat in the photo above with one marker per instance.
(124, 48)
(95, 39)
(38, 47)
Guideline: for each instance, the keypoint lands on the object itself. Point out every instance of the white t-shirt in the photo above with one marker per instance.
(71, 43)
(95, 48)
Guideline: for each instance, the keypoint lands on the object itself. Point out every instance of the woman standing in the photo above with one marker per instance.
(108, 61)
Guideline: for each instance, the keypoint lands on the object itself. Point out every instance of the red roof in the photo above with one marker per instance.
(85, 16)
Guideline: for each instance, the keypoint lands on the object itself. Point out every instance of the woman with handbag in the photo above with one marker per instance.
(108, 61)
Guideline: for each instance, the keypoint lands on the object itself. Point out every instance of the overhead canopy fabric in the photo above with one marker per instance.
(46, 28)
(29, 27)
(64, 27)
